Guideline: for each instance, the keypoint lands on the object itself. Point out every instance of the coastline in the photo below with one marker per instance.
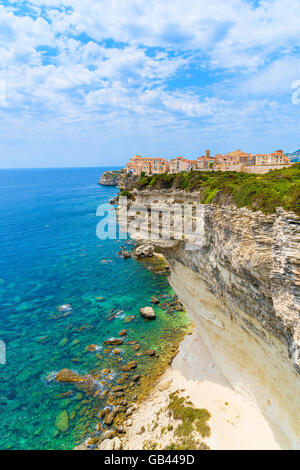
(235, 423)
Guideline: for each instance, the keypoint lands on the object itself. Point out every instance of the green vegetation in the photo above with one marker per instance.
(127, 194)
(278, 188)
(193, 419)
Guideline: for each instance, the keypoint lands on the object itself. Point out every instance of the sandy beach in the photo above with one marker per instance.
(235, 422)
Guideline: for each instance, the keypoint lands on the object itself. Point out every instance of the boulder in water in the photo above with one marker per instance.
(148, 313)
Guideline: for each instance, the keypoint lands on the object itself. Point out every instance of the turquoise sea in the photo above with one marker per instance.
(50, 256)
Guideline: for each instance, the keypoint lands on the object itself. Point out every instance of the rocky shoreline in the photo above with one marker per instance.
(132, 387)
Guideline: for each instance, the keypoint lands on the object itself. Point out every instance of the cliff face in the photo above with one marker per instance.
(110, 178)
(241, 289)
(127, 181)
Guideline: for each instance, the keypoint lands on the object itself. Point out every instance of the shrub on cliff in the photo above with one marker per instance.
(127, 194)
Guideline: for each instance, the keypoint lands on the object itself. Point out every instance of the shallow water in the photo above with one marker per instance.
(50, 255)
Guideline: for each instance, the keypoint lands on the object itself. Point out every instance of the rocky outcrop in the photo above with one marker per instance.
(240, 285)
(127, 181)
(144, 251)
(110, 178)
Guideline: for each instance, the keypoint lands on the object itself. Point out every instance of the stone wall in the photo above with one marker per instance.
(261, 169)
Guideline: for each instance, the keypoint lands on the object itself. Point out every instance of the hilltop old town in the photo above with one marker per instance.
(233, 161)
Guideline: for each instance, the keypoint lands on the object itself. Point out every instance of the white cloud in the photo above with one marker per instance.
(121, 63)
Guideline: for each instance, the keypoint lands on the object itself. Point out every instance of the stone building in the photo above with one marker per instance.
(149, 166)
(232, 161)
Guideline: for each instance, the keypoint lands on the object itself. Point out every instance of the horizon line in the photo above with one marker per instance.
(59, 167)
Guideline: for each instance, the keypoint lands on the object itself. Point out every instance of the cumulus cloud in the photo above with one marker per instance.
(219, 64)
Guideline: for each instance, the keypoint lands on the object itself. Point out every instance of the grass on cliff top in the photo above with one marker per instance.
(278, 188)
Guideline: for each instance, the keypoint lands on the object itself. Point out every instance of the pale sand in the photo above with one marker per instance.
(234, 426)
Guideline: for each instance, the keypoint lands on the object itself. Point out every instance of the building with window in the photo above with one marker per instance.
(149, 166)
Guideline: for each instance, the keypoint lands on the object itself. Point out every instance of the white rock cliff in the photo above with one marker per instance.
(241, 289)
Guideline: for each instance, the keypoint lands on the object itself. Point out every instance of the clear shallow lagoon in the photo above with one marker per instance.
(49, 256)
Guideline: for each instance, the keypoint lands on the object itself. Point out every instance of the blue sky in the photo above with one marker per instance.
(91, 83)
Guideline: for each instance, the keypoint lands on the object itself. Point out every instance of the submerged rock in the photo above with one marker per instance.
(62, 421)
(117, 351)
(63, 342)
(113, 341)
(149, 352)
(148, 313)
(66, 375)
(123, 333)
(129, 366)
(129, 319)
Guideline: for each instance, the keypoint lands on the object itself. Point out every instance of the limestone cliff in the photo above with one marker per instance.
(110, 178)
(127, 181)
(241, 289)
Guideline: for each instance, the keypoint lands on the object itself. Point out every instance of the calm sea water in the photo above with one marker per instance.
(50, 255)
